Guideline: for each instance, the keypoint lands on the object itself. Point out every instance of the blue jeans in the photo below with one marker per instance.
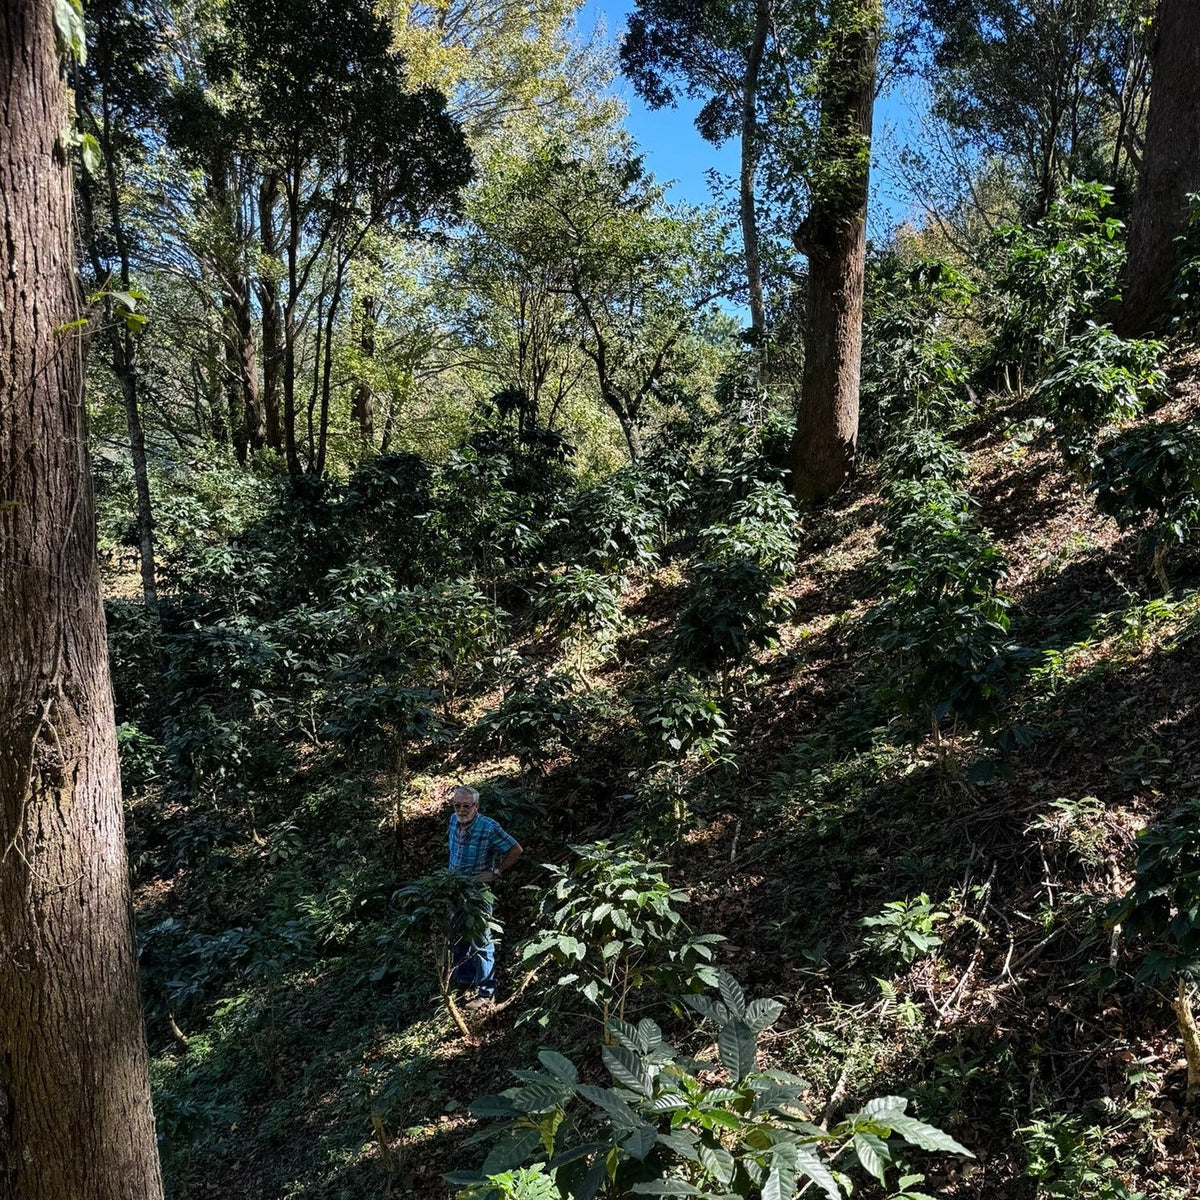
(475, 966)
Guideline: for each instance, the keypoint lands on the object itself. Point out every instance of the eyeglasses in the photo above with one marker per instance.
(465, 807)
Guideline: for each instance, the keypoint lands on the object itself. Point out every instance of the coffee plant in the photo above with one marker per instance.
(942, 626)
(671, 1125)
(732, 608)
(679, 717)
(1097, 379)
(1056, 273)
(534, 721)
(1149, 477)
(610, 927)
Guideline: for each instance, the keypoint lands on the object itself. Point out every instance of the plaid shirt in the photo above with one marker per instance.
(479, 846)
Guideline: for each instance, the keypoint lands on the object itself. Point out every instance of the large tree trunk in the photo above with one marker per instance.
(834, 237)
(246, 415)
(75, 1119)
(1170, 166)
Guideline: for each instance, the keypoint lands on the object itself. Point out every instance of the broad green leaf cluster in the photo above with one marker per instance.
(672, 1125)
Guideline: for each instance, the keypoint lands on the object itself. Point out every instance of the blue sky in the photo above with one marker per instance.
(675, 151)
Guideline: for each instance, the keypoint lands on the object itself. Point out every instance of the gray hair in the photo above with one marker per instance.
(464, 788)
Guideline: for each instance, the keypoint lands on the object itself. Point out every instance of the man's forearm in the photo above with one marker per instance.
(510, 856)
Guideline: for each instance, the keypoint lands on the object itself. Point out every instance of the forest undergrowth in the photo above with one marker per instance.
(882, 762)
(300, 1047)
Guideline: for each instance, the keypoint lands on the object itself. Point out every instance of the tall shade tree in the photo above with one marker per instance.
(515, 317)
(308, 99)
(499, 62)
(1056, 87)
(75, 1118)
(833, 236)
(117, 91)
(1171, 169)
(712, 51)
(637, 274)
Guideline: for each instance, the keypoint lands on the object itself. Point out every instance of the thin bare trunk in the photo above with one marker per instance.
(268, 300)
(363, 401)
(749, 166)
(120, 341)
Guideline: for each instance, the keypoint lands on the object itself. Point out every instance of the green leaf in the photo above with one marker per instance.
(683, 1142)
(718, 1162)
(492, 1106)
(780, 1183)
(928, 1137)
(809, 1164)
(873, 1153)
(89, 149)
(623, 1118)
(625, 1033)
(69, 31)
(732, 994)
(537, 1097)
(627, 1068)
(881, 1105)
(559, 1066)
(649, 1035)
(666, 1187)
(574, 1153)
(719, 1116)
(738, 1047)
(464, 1178)
(512, 1150)
(710, 1010)
(640, 1142)
(762, 1014)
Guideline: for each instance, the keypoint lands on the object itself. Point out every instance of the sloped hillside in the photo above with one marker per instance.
(302, 1048)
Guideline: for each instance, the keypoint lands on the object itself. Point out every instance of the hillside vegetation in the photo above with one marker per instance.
(895, 751)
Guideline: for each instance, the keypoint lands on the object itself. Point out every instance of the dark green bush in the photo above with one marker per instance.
(915, 345)
(615, 526)
(1150, 477)
(1098, 378)
(732, 608)
(678, 717)
(610, 926)
(1056, 274)
(578, 603)
(535, 721)
(942, 627)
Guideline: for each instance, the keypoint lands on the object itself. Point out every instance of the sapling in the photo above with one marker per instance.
(439, 910)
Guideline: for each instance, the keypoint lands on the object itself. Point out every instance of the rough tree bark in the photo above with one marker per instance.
(834, 238)
(75, 1119)
(1170, 167)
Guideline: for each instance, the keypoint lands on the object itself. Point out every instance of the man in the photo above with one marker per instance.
(479, 847)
